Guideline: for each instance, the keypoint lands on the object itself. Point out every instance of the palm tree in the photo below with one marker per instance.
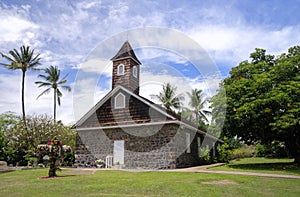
(52, 80)
(168, 97)
(197, 102)
(23, 60)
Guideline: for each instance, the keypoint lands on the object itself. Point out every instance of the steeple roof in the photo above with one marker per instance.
(126, 51)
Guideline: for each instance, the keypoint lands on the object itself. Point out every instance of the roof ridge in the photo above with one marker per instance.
(126, 51)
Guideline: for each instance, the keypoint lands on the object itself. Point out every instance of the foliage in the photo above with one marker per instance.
(243, 152)
(53, 81)
(275, 149)
(263, 100)
(218, 113)
(168, 97)
(22, 60)
(7, 121)
(225, 152)
(205, 155)
(56, 153)
(196, 114)
(40, 128)
(99, 162)
(260, 150)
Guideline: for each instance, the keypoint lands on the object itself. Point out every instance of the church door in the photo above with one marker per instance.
(119, 152)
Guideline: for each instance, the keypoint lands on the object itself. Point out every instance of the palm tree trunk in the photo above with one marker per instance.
(23, 100)
(54, 105)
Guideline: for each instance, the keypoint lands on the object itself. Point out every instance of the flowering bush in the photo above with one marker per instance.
(43, 148)
(67, 149)
(99, 162)
(56, 152)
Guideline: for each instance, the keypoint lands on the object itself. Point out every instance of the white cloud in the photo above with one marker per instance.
(11, 100)
(234, 44)
(97, 65)
(87, 4)
(86, 94)
(15, 27)
(64, 33)
(151, 84)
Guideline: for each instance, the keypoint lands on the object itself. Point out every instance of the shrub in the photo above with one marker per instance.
(205, 154)
(274, 149)
(243, 152)
(22, 142)
(225, 153)
(260, 150)
(278, 149)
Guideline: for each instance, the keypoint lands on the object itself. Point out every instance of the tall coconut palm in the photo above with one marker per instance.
(52, 80)
(197, 102)
(168, 97)
(22, 60)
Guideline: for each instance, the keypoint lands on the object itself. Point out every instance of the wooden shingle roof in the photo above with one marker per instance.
(102, 115)
(126, 51)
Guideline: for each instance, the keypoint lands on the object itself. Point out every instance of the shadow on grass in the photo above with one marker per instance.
(5, 171)
(58, 176)
(279, 166)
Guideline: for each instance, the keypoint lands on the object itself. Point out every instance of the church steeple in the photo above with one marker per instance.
(126, 69)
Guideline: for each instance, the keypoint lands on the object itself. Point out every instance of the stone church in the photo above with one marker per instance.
(128, 130)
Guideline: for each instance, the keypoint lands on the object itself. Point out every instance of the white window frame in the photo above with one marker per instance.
(134, 71)
(121, 69)
(122, 104)
(188, 142)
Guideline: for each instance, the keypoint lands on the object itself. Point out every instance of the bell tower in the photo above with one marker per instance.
(126, 69)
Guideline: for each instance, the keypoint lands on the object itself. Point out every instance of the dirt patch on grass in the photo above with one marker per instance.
(79, 171)
(220, 182)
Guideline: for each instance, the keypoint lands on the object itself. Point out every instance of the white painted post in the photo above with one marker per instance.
(108, 161)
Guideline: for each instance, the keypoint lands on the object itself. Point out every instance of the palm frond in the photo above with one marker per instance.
(59, 94)
(7, 57)
(65, 76)
(44, 92)
(62, 81)
(16, 55)
(67, 88)
(42, 84)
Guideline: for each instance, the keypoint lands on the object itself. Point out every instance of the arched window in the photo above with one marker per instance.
(134, 71)
(121, 69)
(120, 101)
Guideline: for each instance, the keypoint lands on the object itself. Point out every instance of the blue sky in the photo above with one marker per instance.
(67, 32)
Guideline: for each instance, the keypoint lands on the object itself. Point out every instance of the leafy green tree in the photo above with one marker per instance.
(22, 60)
(53, 81)
(168, 97)
(218, 113)
(7, 120)
(263, 100)
(197, 102)
(225, 151)
(40, 129)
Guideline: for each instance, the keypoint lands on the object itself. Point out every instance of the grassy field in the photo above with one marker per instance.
(123, 183)
(262, 165)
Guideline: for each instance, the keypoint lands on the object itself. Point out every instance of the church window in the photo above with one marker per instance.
(134, 71)
(121, 69)
(120, 101)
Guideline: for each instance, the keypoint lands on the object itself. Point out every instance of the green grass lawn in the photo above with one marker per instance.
(262, 165)
(123, 183)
